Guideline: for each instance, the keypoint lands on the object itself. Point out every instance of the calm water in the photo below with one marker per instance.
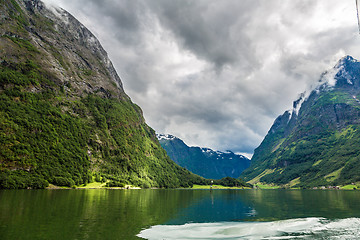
(179, 214)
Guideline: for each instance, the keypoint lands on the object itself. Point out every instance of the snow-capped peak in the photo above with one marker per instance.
(165, 136)
(328, 81)
(340, 71)
(207, 150)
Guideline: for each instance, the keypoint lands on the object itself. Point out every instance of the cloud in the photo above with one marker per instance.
(204, 26)
(218, 73)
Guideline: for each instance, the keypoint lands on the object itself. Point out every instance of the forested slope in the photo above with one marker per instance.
(64, 116)
(317, 143)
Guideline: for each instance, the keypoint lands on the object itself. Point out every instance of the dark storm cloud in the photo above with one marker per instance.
(218, 72)
(208, 28)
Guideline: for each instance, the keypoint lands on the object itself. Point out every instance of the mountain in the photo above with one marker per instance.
(317, 143)
(204, 161)
(64, 116)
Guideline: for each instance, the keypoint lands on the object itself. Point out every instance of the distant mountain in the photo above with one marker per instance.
(64, 116)
(316, 143)
(204, 161)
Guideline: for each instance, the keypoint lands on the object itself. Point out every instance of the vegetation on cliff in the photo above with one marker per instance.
(64, 117)
(319, 144)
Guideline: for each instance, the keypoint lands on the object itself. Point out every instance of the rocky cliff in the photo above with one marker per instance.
(315, 143)
(64, 116)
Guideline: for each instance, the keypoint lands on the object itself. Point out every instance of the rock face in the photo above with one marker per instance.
(204, 161)
(316, 143)
(72, 51)
(64, 116)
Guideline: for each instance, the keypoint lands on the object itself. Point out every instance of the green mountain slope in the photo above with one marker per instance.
(204, 161)
(318, 142)
(64, 116)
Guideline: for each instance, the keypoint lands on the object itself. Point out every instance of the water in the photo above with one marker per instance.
(302, 228)
(179, 214)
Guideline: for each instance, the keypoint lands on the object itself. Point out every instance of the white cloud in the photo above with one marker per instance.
(217, 73)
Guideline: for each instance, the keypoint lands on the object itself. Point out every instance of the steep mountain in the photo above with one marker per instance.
(204, 161)
(317, 143)
(64, 116)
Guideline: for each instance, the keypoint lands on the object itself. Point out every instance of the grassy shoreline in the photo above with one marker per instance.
(354, 186)
(99, 185)
(216, 187)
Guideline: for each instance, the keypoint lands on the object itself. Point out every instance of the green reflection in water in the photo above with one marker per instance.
(85, 214)
(122, 214)
(285, 204)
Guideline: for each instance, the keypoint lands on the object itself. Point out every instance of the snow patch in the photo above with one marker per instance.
(217, 153)
(228, 152)
(327, 81)
(206, 150)
(330, 77)
(346, 75)
(165, 137)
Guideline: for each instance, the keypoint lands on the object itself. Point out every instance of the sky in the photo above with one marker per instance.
(216, 73)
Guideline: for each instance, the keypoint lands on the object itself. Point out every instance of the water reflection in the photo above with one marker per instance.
(121, 214)
(85, 214)
(284, 204)
(268, 205)
(213, 206)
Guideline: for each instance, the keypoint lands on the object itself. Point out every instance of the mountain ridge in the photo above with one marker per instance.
(315, 143)
(203, 161)
(64, 116)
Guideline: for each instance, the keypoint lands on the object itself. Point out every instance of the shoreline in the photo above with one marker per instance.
(203, 187)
